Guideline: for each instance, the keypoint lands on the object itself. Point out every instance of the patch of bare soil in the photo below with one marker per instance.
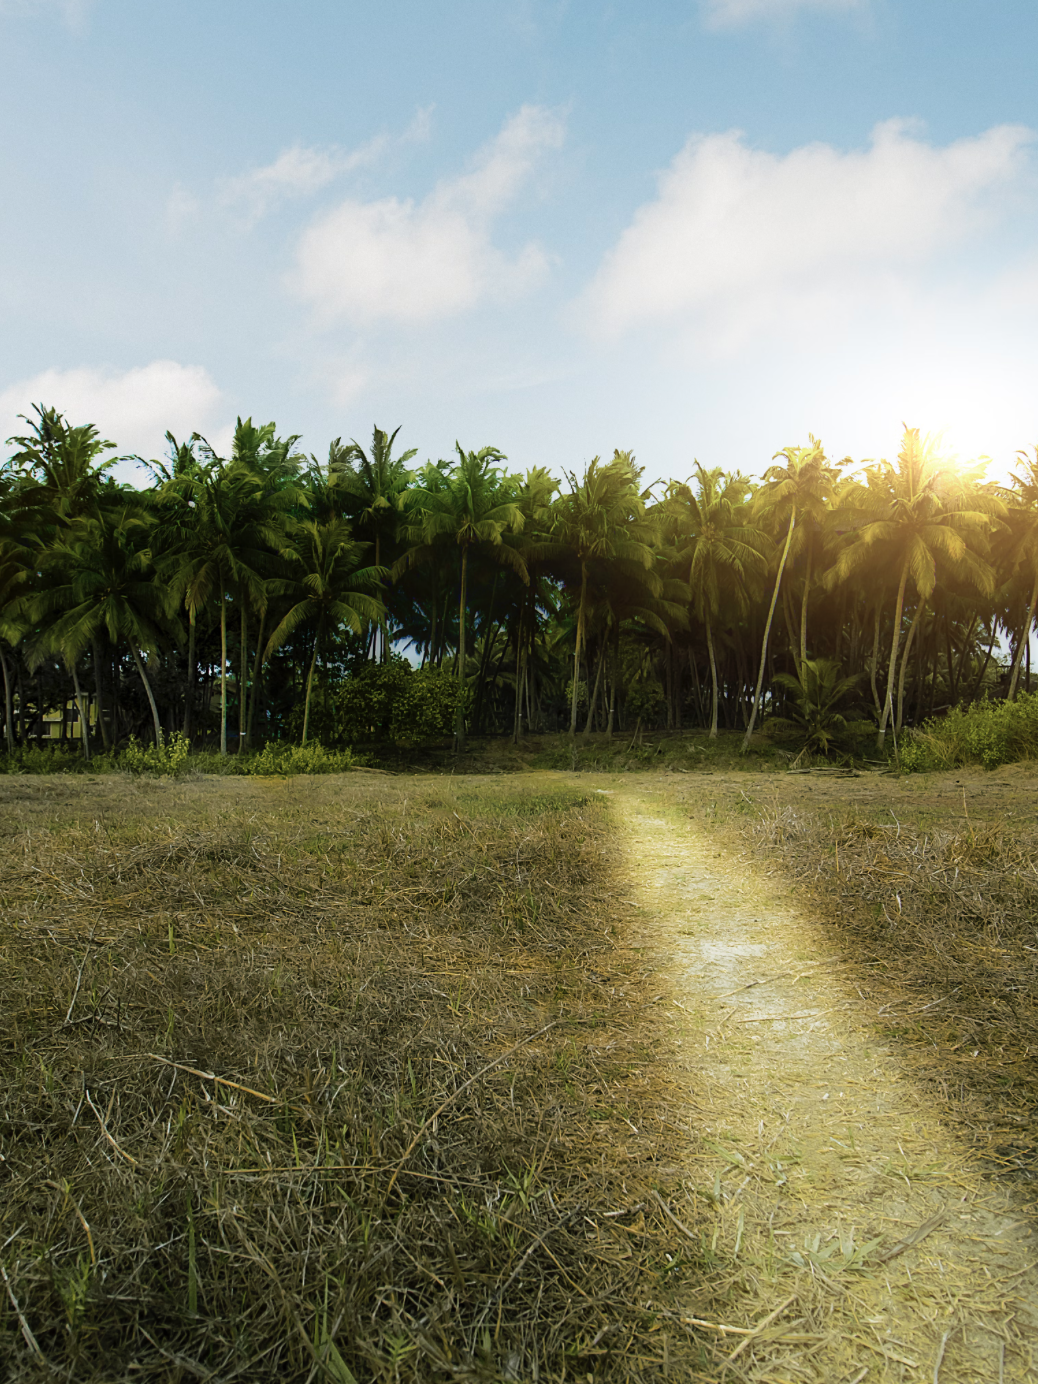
(859, 1237)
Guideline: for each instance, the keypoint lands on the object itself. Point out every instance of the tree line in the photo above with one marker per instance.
(233, 598)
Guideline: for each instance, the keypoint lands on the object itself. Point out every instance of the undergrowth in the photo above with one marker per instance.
(353, 1080)
(987, 733)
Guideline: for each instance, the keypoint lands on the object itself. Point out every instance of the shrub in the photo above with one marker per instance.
(987, 733)
(165, 761)
(277, 758)
(395, 702)
(48, 759)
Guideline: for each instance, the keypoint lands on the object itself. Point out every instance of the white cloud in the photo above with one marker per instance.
(133, 408)
(740, 241)
(303, 170)
(730, 14)
(404, 261)
(297, 172)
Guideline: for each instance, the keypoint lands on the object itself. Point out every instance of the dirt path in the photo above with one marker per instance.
(822, 1158)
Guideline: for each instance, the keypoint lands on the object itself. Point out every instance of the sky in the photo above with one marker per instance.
(697, 229)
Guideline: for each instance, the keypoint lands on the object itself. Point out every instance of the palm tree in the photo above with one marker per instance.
(105, 585)
(330, 590)
(471, 505)
(801, 487)
(718, 552)
(913, 514)
(372, 485)
(602, 519)
(1022, 518)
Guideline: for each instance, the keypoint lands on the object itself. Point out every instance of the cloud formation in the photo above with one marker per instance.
(731, 14)
(303, 170)
(404, 261)
(133, 408)
(739, 239)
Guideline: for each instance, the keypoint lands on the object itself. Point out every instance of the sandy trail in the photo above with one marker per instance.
(821, 1156)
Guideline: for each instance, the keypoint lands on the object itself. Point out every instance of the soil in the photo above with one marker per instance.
(822, 1159)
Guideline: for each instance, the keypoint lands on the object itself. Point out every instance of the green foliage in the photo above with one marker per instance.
(164, 761)
(46, 759)
(393, 702)
(299, 759)
(817, 694)
(987, 733)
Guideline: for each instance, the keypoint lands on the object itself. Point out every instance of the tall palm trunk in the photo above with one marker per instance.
(223, 673)
(8, 705)
(874, 663)
(84, 714)
(243, 658)
(257, 670)
(1025, 640)
(310, 684)
(803, 613)
(767, 633)
(150, 694)
(888, 700)
(904, 664)
(459, 718)
(192, 671)
(713, 678)
(95, 654)
(577, 650)
(593, 699)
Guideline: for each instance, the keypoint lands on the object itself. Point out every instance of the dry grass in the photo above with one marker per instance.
(330, 1079)
(942, 914)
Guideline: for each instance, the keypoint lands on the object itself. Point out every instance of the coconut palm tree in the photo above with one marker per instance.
(105, 585)
(1022, 518)
(914, 514)
(328, 589)
(800, 488)
(371, 485)
(471, 505)
(602, 519)
(717, 550)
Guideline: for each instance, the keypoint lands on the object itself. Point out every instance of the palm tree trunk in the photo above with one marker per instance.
(767, 633)
(904, 663)
(223, 673)
(192, 660)
(713, 678)
(95, 655)
(243, 657)
(975, 691)
(874, 663)
(310, 684)
(615, 662)
(577, 650)
(593, 699)
(888, 700)
(257, 670)
(803, 613)
(8, 705)
(151, 696)
(84, 714)
(1025, 640)
(459, 719)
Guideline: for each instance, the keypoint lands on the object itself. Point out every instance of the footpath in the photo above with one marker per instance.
(864, 1243)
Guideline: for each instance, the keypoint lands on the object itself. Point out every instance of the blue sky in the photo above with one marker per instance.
(698, 230)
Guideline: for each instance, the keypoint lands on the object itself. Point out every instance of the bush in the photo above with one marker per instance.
(277, 758)
(165, 761)
(47, 759)
(987, 733)
(397, 703)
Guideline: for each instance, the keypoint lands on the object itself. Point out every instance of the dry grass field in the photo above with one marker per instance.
(345, 1078)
